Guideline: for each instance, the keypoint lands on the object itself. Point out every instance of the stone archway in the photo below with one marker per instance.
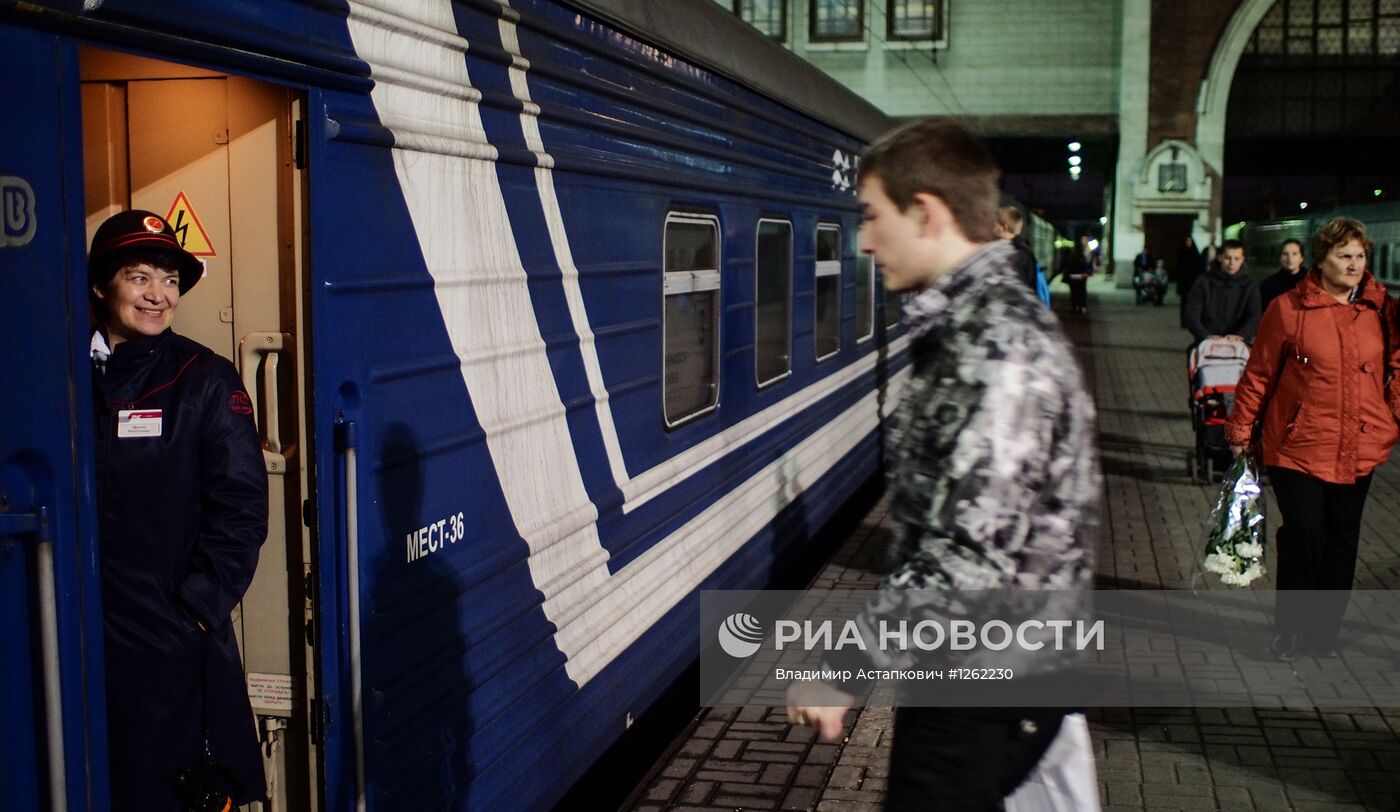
(1214, 95)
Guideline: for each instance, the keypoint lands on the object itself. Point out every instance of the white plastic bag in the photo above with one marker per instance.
(1065, 780)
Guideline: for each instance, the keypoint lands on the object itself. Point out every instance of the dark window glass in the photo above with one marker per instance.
(691, 383)
(768, 16)
(827, 328)
(690, 246)
(865, 297)
(914, 19)
(773, 301)
(1316, 67)
(837, 19)
(690, 318)
(894, 305)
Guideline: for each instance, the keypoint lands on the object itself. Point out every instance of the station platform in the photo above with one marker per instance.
(1301, 759)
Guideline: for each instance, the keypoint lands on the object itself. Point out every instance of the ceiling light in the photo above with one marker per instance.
(1075, 160)
(1074, 146)
(1303, 205)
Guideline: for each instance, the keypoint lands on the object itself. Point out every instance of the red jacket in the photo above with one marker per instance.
(1318, 369)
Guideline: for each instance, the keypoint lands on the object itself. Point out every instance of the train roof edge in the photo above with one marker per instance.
(706, 33)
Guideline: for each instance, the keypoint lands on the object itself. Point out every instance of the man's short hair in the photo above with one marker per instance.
(1335, 232)
(938, 157)
(1010, 219)
(1228, 244)
(1283, 245)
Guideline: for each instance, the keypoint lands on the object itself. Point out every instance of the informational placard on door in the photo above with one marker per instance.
(270, 693)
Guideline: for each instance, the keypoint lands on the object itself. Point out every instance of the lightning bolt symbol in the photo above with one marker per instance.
(180, 226)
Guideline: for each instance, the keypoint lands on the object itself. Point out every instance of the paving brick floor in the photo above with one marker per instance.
(1303, 759)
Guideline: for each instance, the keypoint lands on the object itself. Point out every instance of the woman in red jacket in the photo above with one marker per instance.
(1317, 379)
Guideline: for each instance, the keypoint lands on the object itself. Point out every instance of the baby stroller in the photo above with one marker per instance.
(1150, 285)
(1215, 366)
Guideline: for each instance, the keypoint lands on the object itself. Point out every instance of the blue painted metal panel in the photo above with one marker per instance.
(45, 426)
(467, 701)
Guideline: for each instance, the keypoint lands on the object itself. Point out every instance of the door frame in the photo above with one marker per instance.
(49, 436)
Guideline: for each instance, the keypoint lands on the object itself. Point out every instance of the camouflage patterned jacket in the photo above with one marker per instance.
(993, 469)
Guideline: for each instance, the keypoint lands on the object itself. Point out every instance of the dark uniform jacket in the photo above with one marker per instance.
(1220, 305)
(182, 512)
(1277, 285)
(1024, 262)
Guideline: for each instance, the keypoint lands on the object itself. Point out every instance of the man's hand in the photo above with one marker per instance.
(820, 706)
(1235, 337)
(1236, 450)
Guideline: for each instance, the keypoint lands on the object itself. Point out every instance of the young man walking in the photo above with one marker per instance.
(993, 472)
(1224, 302)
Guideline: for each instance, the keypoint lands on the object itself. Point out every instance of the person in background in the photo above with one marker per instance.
(182, 513)
(1318, 380)
(995, 404)
(1077, 277)
(1210, 257)
(1188, 269)
(1008, 227)
(1143, 262)
(1290, 261)
(1224, 302)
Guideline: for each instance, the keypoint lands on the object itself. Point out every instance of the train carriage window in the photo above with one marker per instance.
(865, 297)
(894, 308)
(690, 325)
(772, 301)
(827, 328)
(836, 20)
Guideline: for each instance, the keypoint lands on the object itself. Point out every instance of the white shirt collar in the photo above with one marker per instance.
(100, 351)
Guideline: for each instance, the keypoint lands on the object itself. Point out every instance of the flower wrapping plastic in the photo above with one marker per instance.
(1235, 542)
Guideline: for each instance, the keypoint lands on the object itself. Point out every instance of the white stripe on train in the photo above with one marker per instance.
(442, 155)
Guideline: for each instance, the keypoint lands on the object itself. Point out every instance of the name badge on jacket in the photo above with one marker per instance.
(139, 423)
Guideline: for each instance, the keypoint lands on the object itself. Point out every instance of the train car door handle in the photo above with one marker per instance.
(251, 350)
(36, 525)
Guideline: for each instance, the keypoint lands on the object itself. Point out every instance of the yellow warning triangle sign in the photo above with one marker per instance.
(188, 230)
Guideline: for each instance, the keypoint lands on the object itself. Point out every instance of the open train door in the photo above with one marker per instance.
(214, 153)
(52, 733)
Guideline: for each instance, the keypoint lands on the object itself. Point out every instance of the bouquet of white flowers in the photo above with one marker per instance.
(1235, 548)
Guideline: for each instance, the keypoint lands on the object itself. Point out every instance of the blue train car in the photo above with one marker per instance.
(1262, 238)
(553, 315)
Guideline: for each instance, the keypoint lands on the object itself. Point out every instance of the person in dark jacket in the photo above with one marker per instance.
(1077, 277)
(1144, 262)
(1290, 260)
(1008, 226)
(1224, 302)
(1188, 270)
(182, 512)
(1210, 257)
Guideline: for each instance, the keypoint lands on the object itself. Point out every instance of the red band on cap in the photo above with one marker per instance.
(135, 239)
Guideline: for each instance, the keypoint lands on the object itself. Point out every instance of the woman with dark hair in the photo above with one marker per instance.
(1290, 272)
(182, 511)
(1317, 380)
